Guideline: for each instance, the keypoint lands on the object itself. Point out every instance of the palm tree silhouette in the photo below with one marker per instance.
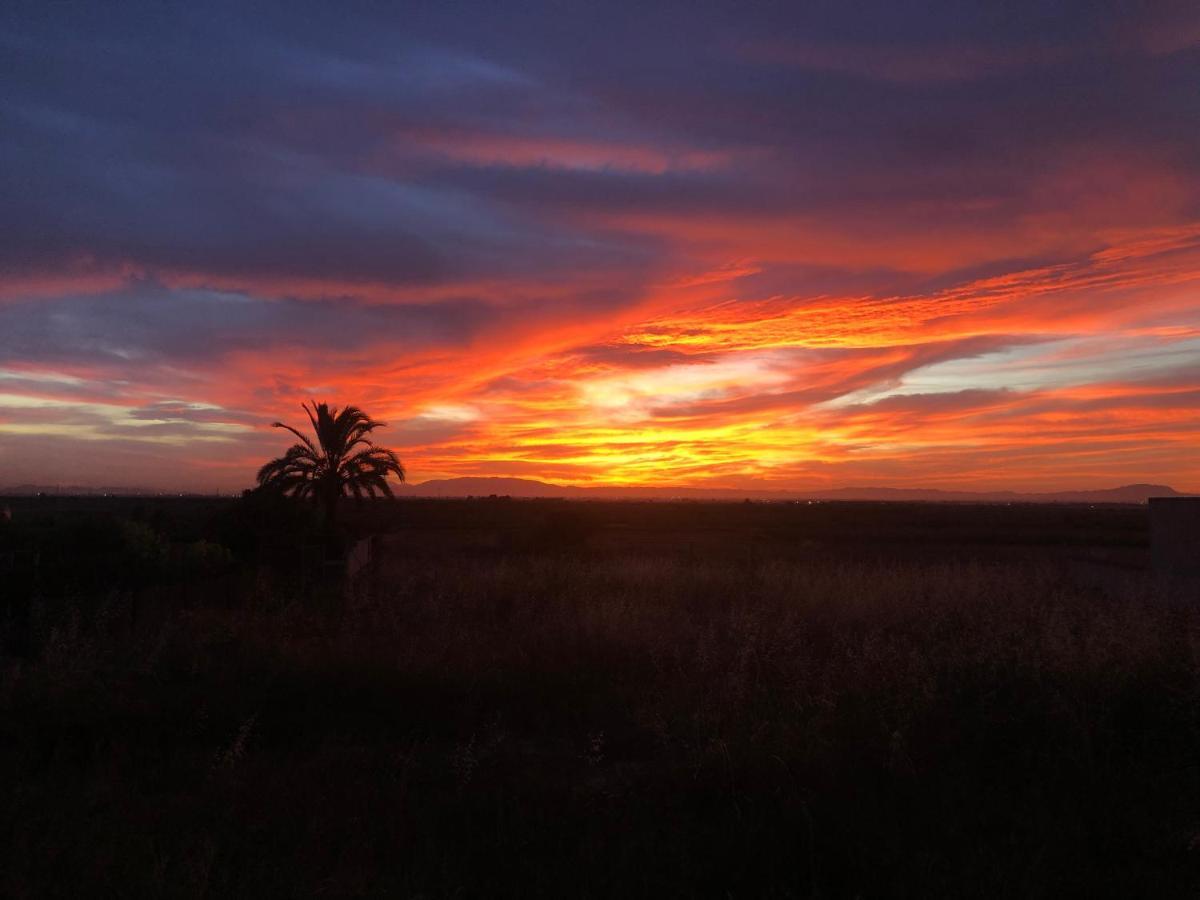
(344, 460)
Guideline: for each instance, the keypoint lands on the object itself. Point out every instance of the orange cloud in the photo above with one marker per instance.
(687, 382)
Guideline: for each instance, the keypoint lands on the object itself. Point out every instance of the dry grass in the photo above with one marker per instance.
(555, 726)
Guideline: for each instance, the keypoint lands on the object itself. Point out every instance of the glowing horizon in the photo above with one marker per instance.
(763, 256)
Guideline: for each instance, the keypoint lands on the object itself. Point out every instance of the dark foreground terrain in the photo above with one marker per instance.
(555, 699)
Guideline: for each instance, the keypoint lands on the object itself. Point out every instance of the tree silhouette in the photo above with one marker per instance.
(343, 460)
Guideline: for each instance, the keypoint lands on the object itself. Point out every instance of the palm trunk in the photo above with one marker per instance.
(329, 499)
(329, 505)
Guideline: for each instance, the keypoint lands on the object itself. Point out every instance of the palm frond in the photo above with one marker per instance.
(341, 459)
(298, 434)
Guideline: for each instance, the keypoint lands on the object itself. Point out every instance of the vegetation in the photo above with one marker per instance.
(342, 461)
(523, 720)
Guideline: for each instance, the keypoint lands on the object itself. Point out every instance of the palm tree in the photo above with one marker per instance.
(342, 461)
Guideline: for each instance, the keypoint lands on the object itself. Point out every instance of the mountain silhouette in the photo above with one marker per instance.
(530, 488)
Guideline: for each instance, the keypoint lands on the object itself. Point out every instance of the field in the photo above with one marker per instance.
(543, 698)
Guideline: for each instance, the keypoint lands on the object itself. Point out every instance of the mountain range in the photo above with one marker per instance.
(530, 488)
(524, 487)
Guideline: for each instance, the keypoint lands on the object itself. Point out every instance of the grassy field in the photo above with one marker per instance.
(554, 699)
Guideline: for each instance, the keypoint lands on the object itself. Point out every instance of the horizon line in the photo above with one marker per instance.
(81, 490)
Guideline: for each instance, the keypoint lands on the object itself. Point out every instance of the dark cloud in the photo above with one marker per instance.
(147, 324)
(353, 142)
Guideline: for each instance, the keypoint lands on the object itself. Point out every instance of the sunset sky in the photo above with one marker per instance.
(733, 245)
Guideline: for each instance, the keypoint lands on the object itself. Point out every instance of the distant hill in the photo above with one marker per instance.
(79, 490)
(530, 488)
(1130, 493)
(483, 487)
(525, 487)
